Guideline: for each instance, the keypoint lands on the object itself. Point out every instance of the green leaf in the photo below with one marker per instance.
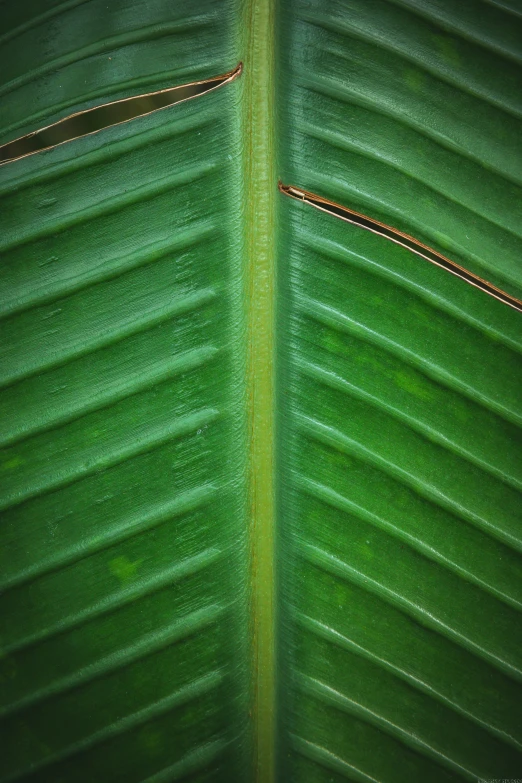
(260, 468)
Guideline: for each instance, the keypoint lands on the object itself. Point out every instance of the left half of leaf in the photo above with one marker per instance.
(124, 584)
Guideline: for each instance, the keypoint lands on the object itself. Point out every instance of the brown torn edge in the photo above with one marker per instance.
(400, 238)
(107, 115)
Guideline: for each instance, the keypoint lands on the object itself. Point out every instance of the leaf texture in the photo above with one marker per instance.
(400, 487)
(123, 579)
(141, 267)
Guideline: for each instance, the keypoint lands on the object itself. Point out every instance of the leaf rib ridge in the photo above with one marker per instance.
(330, 696)
(182, 504)
(336, 252)
(332, 437)
(108, 42)
(329, 379)
(194, 690)
(335, 637)
(335, 500)
(144, 647)
(332, 317)
(376, 38)
(330, 563)
(328, 87)
(111, 603)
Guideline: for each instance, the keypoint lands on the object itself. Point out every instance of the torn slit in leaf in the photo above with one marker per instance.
(400, 238)
(89, 121)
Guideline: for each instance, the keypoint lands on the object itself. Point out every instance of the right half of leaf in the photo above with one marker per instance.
(399, 394)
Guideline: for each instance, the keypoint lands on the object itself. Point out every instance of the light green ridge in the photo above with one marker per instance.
(260, 192)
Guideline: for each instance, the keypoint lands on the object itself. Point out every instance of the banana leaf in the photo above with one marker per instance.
(260, 463)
